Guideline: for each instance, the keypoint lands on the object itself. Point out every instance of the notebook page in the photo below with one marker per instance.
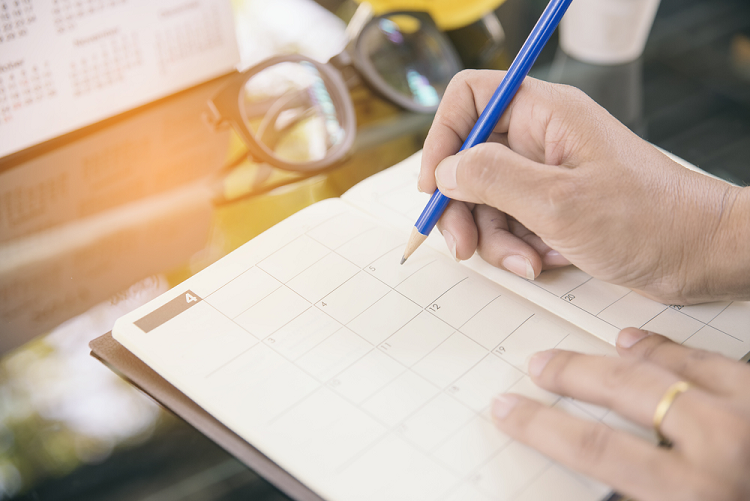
(364, 379)
(597, 307)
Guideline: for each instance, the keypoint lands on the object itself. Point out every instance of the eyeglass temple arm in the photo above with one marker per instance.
(358, 21)
(343, 63)
(212, 117)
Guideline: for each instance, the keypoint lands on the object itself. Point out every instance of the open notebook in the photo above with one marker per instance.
(368, 380)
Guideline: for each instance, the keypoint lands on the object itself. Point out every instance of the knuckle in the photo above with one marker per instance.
(652, 347)
(621, 374)
(557, 373)
(526, 420)
(696, 355)
(563, 193)
(460, 81)
(593, 444)
(577, 101)
(452, 105)
(463, 76)
(699, 356)
(694, 359)
(573, 99)
(573, 94)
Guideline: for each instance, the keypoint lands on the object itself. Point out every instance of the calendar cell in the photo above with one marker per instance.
(471, 446)
(399, 398)
(521, 465)
(334, 354)
(272, 312)
(353, 297)
(450, 360)
(386, 316)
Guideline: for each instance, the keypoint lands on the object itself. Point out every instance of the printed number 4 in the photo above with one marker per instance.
(190, 298)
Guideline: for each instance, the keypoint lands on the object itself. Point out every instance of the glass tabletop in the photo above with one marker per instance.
(72, 429)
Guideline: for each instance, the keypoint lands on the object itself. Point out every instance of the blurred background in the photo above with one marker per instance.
(140, 142)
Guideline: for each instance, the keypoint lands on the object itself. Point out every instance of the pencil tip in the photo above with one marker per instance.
(403, 260)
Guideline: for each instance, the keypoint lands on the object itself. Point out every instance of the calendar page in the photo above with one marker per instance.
(367, 379)
(65, 64)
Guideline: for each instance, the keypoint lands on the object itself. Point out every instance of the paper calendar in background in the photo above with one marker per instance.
(65, 64)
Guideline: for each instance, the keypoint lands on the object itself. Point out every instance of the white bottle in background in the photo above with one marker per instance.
(607, 31)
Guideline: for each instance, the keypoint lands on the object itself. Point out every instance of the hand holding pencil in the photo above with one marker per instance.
(561, 180)
(494, 109)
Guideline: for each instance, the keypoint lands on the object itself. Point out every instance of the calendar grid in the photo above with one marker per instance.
(567, 293)
(16, 18)
(68, 13)
(400, 426)
(24, 86)
(664, 308)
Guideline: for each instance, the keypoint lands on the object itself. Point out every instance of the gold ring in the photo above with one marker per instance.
(663, 407)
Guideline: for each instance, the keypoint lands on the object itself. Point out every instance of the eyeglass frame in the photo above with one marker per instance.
(226, 107)
(352, 56)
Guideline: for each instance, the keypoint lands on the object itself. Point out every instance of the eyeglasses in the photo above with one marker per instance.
(296, 114)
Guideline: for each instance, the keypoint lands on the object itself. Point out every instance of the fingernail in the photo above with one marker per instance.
(445, 174)
(502, 405)
(419, 178)
(628, 337)
(554, 258)
(450, 241)
(520, 266)
(539, 361)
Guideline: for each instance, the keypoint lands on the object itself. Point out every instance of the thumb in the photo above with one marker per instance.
(493, 174)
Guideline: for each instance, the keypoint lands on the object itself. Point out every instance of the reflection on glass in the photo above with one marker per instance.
(409, 59)
(617, 88)
(289, 110)
(60, 408)
(424, 93)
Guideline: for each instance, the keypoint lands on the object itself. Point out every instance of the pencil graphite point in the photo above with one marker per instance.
(415, 240)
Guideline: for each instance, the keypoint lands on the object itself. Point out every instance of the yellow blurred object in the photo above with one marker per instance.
(406, 24)
(448, 14)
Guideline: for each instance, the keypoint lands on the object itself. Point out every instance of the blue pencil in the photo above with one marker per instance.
(491, 115)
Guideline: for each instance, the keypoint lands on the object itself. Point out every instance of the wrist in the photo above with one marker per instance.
(726, 273)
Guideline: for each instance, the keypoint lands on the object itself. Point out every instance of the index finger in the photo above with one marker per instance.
(458, 112)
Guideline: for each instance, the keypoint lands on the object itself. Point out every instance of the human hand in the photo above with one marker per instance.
(709, 424)
(561, 181)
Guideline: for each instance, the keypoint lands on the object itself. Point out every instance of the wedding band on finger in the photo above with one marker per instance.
(663, 407)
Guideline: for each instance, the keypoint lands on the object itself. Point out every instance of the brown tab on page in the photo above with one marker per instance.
(167, 311)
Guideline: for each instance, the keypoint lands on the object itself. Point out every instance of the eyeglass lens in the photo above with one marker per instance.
(288, 109)
(409, 56)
